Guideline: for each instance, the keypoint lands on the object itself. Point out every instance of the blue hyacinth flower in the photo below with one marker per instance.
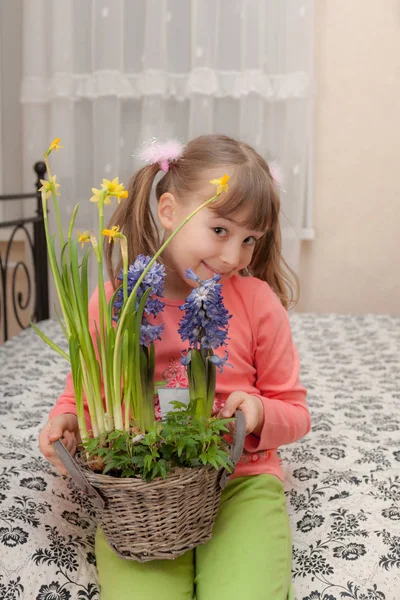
(154, 279)
(220, 363)
(205, 323)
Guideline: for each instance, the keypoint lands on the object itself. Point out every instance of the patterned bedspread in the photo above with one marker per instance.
(342, 480)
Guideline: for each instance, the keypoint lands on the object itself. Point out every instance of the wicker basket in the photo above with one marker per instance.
(161, 519)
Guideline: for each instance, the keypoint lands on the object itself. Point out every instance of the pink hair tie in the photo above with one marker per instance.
(162, 153)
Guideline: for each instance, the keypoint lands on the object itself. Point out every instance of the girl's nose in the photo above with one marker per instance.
(231, 257)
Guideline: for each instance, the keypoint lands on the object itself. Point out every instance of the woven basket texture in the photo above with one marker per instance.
(161, 519)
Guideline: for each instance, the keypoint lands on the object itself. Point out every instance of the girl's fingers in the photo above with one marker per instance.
(249, 418)
(68, 440)
(56, 431)
(45, 444)
(48, 452)
(46, 447)
(232, 403)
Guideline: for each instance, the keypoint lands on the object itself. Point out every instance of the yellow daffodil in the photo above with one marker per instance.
(222, 184)
(96, 196)
(113, 188)
(83, 237)
(46, 186)
(111, 233)
(55, 145)
(123, 194)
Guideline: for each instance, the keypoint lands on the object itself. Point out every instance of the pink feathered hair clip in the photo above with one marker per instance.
(162, 153)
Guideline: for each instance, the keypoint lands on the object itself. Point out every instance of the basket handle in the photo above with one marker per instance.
(77, 474)
(237, 446)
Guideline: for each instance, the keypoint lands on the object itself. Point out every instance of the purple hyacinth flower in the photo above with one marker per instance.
(154, 278)
(186, 358)
(219, 362)
(190, 274)
(149, 333)
(205, 323)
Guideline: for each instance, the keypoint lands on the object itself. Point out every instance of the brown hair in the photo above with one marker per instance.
(251, 186)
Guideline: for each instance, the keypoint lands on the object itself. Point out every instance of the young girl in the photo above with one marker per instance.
(238, 236)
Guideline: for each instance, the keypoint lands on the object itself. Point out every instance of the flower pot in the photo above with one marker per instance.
(168, 395)
(161, 519)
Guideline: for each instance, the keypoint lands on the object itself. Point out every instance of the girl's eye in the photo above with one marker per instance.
(220, 231)
(250, 241)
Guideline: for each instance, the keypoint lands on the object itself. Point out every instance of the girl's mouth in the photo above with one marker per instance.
(212, 270)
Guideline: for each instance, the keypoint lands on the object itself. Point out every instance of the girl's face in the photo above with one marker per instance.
(208, 244)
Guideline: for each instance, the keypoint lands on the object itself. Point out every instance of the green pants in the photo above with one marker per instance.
(249, 555)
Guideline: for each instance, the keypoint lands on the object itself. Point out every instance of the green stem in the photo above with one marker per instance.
(55, 201)
(70, 318)
(80, 409)
(150, 381)
(211, 384)
(117, 389)
(50, 342)
(103, 318)
(87, 345)
(124, 253)
(199, 381)
(53, 263)
(141, 397)
(92, 405)
(127, 380)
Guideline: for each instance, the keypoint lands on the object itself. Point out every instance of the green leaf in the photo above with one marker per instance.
(63, 250)
(72, 221)
(111, 304)
(186, 441)
(61, 323)
(204, 458)
(154, 471)
(159, 384)
(50, 342)
(198, 382)
(84, 283)
(148, 461)
(214, 463)
(163, 467)
(211, 384)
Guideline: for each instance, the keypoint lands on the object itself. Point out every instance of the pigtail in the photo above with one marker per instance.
(268, 263)
(136, 221)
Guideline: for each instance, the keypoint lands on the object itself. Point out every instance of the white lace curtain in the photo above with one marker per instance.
(105, 75)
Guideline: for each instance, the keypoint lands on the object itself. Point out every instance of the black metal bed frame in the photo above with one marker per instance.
(37, 244)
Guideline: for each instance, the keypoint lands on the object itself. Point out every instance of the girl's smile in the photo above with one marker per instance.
(214, 271)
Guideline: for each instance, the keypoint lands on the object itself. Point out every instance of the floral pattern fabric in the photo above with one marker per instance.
(342, 480)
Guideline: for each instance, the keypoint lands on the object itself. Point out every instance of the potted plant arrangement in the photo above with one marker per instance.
(157, 484)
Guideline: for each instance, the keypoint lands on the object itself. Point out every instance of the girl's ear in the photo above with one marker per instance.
(166, 210)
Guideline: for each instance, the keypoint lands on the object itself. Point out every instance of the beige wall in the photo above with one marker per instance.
(353, 265)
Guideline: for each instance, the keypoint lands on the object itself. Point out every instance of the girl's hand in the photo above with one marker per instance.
(252, 408)
(64, 427)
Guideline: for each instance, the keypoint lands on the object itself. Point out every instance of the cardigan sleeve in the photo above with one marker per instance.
(286, 415)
